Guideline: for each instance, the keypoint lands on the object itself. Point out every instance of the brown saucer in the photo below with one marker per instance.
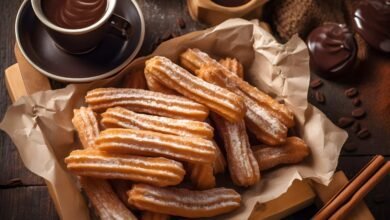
(108, 58)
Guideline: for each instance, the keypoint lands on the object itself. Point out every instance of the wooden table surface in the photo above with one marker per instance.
(24, 195)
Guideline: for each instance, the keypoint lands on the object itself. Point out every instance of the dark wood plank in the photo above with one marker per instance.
(11, 165)
(22, 203)
(161, 21)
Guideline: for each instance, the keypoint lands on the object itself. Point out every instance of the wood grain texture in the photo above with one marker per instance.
(31, 202)
(11, 166)
(29, 199)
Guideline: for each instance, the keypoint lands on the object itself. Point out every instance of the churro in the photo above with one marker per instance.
(149, 143)
(294, 150)
(99, 192)
(87, 127)
(98, 164)
(184, 202)
(202, 175)
(266, 127)
(106, 203)
(145, 101)
(219, 100)
(233, 65)
(194, 59)
(243, 167)
(154, 216)
(122, 118)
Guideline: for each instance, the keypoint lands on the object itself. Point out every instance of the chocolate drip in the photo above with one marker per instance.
(372, 21)
(332, 49)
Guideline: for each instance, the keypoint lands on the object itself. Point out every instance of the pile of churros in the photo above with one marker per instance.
(151, 152)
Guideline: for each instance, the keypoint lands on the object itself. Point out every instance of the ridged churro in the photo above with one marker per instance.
(122, 118)
(154, 216)
(266, 127)
(194, 59)
(149, 143)
(145, 101)
(243, 167)
(294, 150)
(99, 192)
(184, 202)
(219, 100)
(87, 127)
(103, 198)
(155, 171)
(202, 175)
(233, 65)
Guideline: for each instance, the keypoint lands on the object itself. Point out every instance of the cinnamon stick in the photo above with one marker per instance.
(358, 195)
(346, 192)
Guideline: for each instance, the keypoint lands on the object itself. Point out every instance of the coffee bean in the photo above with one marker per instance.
(363, 133)
(315, 83)
(320, 97)
(358, 113)
(356, 127)
(356, 101)
(351, 92)
(344, 122)
(181, 23)
(349, 147)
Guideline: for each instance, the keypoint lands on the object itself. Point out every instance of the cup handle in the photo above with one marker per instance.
(120, 27)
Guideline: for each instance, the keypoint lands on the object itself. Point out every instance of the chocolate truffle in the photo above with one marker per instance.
(332, 50)
(372, 21)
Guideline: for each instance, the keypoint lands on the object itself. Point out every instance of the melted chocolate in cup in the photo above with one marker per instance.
(74, 14)
(372, 21)
(231, 3)
(332, 50)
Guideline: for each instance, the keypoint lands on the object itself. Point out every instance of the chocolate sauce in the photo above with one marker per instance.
(332, 49)
(372, 21)
(230, 3)
(74, 14)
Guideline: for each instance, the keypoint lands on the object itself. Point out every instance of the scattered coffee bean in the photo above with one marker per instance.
(320, 97)
(351, 92)
(358, 113)
(356, 127)
(344, 122)
(181, 23)
(363, 133)
(315, 83)
(14, 182)
(356, 101)
(379, 198)
(349, 147)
